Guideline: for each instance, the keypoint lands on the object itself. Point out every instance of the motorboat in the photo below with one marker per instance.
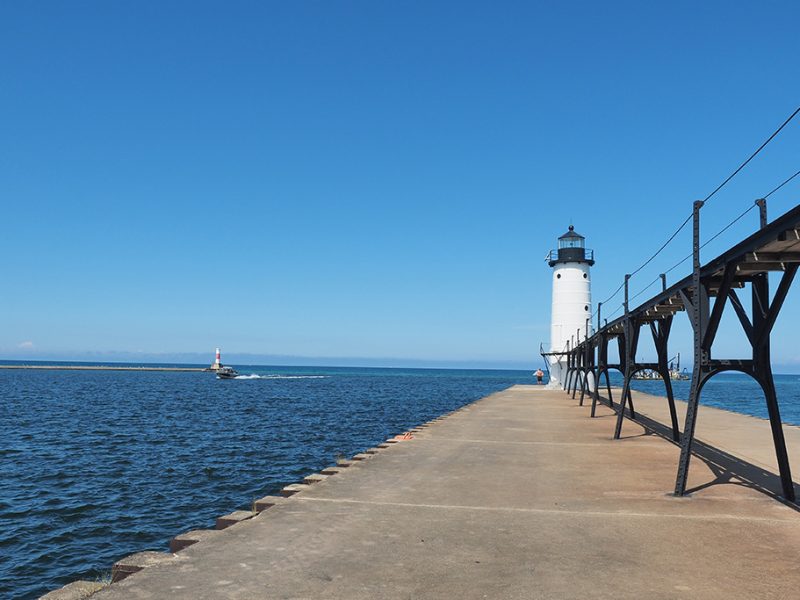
(674, 371)
(647, 374)
(227, 373)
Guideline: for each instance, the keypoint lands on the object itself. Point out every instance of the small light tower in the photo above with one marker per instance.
(217, 364)
(572, 299)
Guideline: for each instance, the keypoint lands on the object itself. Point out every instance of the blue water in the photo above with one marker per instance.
(95, 465)
(732, 391)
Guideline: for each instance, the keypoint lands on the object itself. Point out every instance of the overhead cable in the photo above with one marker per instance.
(619, 308)
(706, 199)
(720, 186)
(664, 245)
(781, 185)
(753, 155)
(611, 297)
(709, 240)
(728, 226)
(643, 265)
(645, 288)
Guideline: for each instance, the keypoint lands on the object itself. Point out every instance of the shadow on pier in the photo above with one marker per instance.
(727, 468)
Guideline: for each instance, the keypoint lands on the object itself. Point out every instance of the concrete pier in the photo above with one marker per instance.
(519, 495)
(100, 368)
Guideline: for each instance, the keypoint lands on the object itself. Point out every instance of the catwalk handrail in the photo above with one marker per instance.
(789, 220)
(774, 247)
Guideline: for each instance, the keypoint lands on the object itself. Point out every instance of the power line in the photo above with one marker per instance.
(706, 199)
(709, 240)
(728, 226)
(781, 185)
(645, 288)
(611, 297)
(621, 306)
(649, 260)
(664, 245)
(719, 187)
(716, 235)
(753, 155)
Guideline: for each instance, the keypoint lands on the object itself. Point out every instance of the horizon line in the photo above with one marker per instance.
(25, 361)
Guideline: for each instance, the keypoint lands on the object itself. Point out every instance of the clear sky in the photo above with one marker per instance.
(378, 180)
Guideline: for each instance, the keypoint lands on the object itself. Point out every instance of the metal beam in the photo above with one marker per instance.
(787, 225)
(696, 315)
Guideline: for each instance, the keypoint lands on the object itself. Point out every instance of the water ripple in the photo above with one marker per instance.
(96, 465)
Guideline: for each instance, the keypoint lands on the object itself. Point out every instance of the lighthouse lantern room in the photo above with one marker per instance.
(572, 300)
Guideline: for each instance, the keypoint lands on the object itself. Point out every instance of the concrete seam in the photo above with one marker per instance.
(720, 517)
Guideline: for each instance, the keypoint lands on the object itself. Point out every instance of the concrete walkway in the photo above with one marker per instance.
(520, 495)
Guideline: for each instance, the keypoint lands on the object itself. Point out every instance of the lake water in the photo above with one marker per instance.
(732, 391)
(96, 465)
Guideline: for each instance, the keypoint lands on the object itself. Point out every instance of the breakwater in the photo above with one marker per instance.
(100, 368)
(517, 495)
(99, 464)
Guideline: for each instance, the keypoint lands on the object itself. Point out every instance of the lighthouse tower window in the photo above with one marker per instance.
(571, 240)
(586, 308)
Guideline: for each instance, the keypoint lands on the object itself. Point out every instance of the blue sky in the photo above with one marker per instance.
(375, 180)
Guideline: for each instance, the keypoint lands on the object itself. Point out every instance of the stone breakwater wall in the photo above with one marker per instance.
(139, 561)
(101, 368)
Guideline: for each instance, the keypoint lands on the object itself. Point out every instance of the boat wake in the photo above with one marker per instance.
(254, 376)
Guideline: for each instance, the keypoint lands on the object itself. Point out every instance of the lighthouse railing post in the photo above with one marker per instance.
(591, 356)
(599, 362)
(577, 358)
(697, 309)
(586, 363)
(581, 363)
(764, 315)
(602, 350)
(578, 365)
(757, 329)
(568, 374)
(629, 363)
(762, 367)
(661, 340)
(568, 381)
(621, 354)
(608, 377)
(575, 365)
(660, 331)
(608, 380)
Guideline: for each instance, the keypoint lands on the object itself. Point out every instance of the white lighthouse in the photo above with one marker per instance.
(572, 300)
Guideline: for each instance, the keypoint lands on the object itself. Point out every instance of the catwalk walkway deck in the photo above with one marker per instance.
(520, 495)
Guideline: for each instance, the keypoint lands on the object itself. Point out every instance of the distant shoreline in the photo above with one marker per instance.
(100, 368)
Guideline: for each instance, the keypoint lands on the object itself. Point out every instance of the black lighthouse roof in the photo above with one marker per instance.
(571, 233)
(571, 249)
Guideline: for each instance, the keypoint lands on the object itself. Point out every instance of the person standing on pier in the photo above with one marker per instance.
(539, 375)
